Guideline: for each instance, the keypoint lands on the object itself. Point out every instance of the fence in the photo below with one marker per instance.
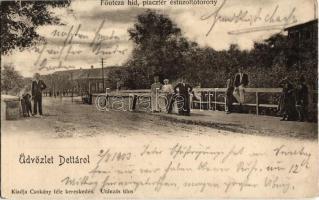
(213, 95)
(210, 98)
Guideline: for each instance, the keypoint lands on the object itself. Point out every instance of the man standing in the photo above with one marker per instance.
(183, 90)
(240, 82)
(37, 87)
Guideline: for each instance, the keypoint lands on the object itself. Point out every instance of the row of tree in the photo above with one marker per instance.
(161, 49)
(19, 22)
(20, 19)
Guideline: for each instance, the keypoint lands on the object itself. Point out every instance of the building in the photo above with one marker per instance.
(305, 33)
(91, 80)
(79, 81)
(303, 42)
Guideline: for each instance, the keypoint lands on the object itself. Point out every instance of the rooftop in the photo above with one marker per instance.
(314, 21)
(92, 73)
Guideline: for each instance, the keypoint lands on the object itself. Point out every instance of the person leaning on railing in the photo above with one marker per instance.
(240, 82)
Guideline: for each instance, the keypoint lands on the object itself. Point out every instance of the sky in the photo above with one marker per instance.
(102, 30)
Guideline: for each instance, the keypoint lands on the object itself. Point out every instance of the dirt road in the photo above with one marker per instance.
(63, 119)
(72, 129)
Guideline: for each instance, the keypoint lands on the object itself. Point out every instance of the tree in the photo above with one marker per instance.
(118, 76)
(158, 47)
(11, 80)
(20, 19)
(152, 28)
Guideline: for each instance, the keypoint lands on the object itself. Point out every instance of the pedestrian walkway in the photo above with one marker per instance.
(247, 124)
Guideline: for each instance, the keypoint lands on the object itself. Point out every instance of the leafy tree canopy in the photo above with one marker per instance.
(10, 79)
(161, 49)
(20, 19)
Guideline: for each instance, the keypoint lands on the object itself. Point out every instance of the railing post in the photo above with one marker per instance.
(257, 104)
(156, 100)
(225, 101)
(209, 101)
(130, 108)
(215, 99)
(190, 100)
(107, 99)
(191, 103)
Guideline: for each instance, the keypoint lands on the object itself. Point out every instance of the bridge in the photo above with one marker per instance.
(215, 98)
(205, 112)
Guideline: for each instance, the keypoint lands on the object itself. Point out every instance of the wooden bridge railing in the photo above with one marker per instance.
(214, 94)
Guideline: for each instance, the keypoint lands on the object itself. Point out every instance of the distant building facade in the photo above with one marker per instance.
(78, 81)
(305, 33)
(303, 40)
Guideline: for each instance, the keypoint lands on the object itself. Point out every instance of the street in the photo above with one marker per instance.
(66, 119)
(75, 130)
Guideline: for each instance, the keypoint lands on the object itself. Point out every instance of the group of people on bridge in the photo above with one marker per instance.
(182, 91)
(292, 105)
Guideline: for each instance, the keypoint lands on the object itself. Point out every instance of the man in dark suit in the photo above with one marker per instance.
(37, 87)
(182, 91)
(240, 82)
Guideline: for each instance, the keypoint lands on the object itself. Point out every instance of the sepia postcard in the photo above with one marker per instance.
(165, 99)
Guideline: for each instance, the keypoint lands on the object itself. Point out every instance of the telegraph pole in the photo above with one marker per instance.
(103, 76)
(72, 85)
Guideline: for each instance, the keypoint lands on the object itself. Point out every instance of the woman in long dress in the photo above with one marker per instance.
(155, 89)
(288, 101)
(168, 91)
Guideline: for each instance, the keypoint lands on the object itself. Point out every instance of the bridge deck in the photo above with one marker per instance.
(247, 123)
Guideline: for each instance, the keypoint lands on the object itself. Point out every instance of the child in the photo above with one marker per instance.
(26, 102)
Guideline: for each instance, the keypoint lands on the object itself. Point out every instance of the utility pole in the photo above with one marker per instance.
(72, 86)
(88, 79)
(103, 76)
(51, 85)
(315, 9)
